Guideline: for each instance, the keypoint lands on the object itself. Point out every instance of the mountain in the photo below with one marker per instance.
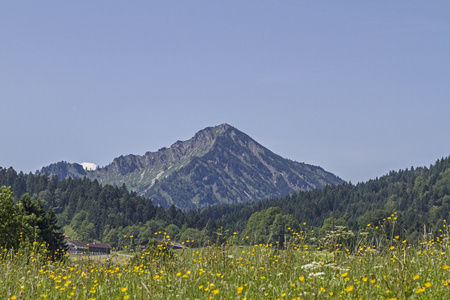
(219, 165)
(64, 170)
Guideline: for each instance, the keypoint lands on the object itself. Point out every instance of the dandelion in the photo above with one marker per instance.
(124, 289)
(349, 288)
(239, 289)
(446, 267)
(215, 292)
(415, 277)
(428, 284)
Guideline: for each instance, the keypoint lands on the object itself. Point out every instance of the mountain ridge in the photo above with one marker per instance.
(219, 165)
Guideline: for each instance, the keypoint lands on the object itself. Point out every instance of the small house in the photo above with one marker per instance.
(77, 247)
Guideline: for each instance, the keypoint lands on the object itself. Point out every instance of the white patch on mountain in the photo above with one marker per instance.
(89, 166)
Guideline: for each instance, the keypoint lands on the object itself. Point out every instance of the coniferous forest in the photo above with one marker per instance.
(420, 197)
(88, 211)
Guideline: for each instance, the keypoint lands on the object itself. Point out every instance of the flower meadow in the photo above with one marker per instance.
(368, 267)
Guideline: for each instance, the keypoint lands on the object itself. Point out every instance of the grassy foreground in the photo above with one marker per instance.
(392, 270)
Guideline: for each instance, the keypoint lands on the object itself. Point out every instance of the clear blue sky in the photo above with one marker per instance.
(357, 87)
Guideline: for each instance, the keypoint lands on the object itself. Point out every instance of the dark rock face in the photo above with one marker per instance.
(219, 165)
(64, 170)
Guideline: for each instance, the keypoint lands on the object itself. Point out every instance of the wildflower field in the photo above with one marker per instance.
(372, 268)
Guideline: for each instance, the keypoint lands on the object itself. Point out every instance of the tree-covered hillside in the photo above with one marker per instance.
(420, 196)
(420, 199)
(89, 211)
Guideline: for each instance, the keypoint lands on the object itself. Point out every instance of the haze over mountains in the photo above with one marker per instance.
(219, 165)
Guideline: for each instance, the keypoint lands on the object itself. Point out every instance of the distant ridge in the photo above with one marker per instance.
(219, 165)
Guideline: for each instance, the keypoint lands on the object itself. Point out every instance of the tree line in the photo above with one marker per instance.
(86, 210)
(420, 197)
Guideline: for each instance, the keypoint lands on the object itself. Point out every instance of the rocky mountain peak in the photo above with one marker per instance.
(219, 165)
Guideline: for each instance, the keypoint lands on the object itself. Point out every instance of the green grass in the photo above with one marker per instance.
(106, 258)
(391, 271)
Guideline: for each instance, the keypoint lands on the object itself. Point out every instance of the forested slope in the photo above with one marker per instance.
(89, 211)
(420, 197)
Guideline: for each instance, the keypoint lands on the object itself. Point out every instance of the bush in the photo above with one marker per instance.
(155, 251)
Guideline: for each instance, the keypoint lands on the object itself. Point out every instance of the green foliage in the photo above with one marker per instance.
(269, 226)
(26, 223)
(156, 252)
(15, 230)
(172, 230)
(420, 197)
(89, 211)
(193, 237)
(330, 223)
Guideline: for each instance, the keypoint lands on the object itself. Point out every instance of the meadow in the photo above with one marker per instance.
(307, 268)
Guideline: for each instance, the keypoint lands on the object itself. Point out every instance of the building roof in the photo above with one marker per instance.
(93, 244)
(180, 246)
(100, 245)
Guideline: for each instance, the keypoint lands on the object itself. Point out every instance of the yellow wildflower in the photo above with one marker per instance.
(349, 288)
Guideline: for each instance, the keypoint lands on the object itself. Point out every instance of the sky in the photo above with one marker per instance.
(359, 88)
